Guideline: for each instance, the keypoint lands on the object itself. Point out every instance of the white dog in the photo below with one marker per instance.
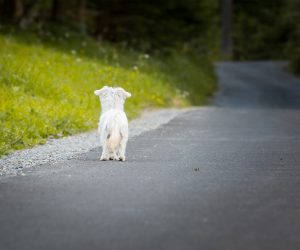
(113, 123)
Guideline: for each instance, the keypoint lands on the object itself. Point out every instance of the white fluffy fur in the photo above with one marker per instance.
(113, 123)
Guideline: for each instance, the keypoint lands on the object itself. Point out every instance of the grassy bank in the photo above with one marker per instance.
(47, 82)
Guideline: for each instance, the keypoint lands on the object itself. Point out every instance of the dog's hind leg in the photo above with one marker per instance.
(122, 149)
(105, 153)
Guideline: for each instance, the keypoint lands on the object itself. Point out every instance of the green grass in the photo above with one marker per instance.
(47, 82)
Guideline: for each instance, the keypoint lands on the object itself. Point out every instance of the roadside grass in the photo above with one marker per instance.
(47, 82)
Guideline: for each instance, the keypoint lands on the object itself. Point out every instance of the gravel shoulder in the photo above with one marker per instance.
(56, 150)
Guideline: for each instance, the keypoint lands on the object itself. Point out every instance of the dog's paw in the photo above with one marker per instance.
(122, 158)
(103, 158)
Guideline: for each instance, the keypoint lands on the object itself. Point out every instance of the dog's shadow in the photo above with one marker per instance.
(94, 154)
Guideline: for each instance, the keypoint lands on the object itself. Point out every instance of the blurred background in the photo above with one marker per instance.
(145, 25)
(54, 53)
(251, 29)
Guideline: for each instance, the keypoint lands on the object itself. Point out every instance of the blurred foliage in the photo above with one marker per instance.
(261, 29)
(267, 30)
(294, 39)
(154, 24)
(145, 25)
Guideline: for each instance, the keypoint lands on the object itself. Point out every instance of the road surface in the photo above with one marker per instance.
(220, 177)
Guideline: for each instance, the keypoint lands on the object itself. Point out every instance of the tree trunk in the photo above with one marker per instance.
(12, 9)
(56, 13)
(31, 15)
(226, 26)
(81, 15)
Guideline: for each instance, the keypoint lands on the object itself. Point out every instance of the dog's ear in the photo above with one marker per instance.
(99, 92)
(123, 93)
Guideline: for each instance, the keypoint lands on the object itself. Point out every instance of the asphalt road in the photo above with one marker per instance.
(220, 177)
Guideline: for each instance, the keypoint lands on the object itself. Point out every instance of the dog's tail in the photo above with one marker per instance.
(113, 138)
